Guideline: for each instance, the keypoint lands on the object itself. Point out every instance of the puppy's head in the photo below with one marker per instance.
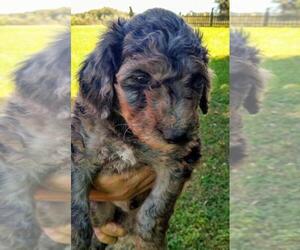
(153, 71)
(247, 85)
(45, 77)
(246, 76)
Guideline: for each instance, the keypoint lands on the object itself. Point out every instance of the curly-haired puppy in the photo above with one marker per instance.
(247, 80)
(35, 143)
(140, 94)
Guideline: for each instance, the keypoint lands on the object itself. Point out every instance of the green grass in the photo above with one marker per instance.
(18, 43)
(83, 41)
(265, 190)
(201, 219)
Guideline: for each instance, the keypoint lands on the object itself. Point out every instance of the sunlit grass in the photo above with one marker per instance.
(276, 41)
(216, 40)
(17, 44)
(83, 41)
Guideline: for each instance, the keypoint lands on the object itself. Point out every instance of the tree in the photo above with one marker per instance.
(131, 13)
(223, 7)
(288, 6)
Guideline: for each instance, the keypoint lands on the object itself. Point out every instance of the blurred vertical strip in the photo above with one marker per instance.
(35, 129)
(265, 127)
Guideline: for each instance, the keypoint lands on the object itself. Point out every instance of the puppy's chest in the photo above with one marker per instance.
(100, 147)
(113, 155)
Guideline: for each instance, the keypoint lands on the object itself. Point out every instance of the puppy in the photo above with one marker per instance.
(138, 105)
(34, 143)
(247, 82)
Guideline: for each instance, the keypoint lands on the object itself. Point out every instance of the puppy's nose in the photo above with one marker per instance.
(176, 135)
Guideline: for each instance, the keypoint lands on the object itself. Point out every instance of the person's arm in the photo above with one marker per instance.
(121, 187)
(106, 188)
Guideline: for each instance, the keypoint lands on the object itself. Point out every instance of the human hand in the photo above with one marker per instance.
(109, 233)
(121, 187)
(60, 234)
(56, 187)
(55, 190)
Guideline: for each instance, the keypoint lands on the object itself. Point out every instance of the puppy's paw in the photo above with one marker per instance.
(145, 227)
(188, 154)
(193, 153)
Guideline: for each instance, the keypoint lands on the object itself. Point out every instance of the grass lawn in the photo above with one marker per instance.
(17, 44)
(265, 191)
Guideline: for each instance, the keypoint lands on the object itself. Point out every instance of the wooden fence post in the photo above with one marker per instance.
(211, 17)
(266, 17)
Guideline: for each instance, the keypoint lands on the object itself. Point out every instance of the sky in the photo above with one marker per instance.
(183, 6)
(17, 6)
(138, 6)
(251, 5)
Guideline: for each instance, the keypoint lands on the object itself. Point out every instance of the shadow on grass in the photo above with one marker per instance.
(201, 219)
(265, 191)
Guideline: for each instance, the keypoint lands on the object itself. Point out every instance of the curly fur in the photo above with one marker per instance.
(34, 143)
(140, 94)
(247, 80)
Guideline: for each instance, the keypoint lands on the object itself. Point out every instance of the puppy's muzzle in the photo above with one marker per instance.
(176, 135)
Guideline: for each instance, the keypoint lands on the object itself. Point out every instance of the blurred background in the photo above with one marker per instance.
(34, 114)
(265, 191)
(25, 28)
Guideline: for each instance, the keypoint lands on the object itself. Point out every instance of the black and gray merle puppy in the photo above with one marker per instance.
(247, 83)
(141, 91)
(34, 144)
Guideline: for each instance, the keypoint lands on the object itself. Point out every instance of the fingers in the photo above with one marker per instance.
(113, 229)
(139, 176)
(145, 185)
(43, 194)
(109, 240)
(107, 183)
(60, 234)
(109, 233)
(60, 183)
(122, 186)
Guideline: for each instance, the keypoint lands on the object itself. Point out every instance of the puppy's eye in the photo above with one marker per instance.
(142, 79)
(196, 82)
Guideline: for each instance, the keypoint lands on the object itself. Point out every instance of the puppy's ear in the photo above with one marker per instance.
(252, 102)
(205, 93)
(204, 100)
(97, 75)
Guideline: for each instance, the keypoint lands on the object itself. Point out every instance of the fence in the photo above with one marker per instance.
(266, 19)
(243, 20)
(207, 20)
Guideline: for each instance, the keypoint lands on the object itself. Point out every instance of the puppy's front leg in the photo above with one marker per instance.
(80, 216)
(154, 215)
